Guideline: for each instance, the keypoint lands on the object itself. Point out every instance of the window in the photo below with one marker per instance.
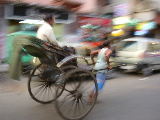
(127, 46)
(156, 47)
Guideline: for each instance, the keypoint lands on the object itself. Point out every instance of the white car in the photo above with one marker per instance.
(138, 54)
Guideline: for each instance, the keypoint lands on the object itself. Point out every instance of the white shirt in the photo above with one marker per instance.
(46, 33)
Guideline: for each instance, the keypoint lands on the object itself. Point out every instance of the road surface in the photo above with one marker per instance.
(126, 97)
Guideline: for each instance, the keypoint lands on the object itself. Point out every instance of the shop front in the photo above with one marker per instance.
(145, 29)
(119, 25)
(20, 15)
(23, 18)
(121, 18)
(94, 30)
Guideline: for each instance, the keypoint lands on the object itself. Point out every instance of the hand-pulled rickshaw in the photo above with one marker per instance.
(59, 78)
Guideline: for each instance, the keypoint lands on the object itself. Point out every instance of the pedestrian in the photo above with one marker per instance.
(45, 31)
(102, 63)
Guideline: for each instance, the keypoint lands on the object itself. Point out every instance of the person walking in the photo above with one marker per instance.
(45, 31)
(102, 63)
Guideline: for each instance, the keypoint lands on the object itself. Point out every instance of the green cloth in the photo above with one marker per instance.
(18, 43)
(34, 47)
(10, 39)
(15, 62)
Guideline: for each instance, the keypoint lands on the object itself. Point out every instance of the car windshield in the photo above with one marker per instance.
(127, 46)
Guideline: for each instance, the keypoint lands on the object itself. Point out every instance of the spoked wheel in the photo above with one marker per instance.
(73, 102)
(43, 81)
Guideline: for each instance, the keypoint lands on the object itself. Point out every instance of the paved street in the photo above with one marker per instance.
(126, 97)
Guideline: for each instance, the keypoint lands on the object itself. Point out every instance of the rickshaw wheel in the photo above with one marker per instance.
(73, 102)
(42, 83)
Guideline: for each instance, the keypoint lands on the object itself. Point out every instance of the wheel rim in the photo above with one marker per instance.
(73, 102)
(41, 84)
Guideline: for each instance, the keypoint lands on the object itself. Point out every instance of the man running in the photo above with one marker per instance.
(102, 63)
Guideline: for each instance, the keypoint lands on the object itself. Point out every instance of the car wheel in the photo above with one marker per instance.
(147, 71)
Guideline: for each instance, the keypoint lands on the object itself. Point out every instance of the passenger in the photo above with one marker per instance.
(45, 31)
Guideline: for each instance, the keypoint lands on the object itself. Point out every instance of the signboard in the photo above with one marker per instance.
(145, 26)
(120, 26)
(145, 16)
(121, 20)
(121, 10)
(141, 32)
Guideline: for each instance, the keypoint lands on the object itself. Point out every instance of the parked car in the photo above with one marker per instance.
(138, 54)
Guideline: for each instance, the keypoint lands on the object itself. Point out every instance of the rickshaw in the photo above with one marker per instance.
(61, 78)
